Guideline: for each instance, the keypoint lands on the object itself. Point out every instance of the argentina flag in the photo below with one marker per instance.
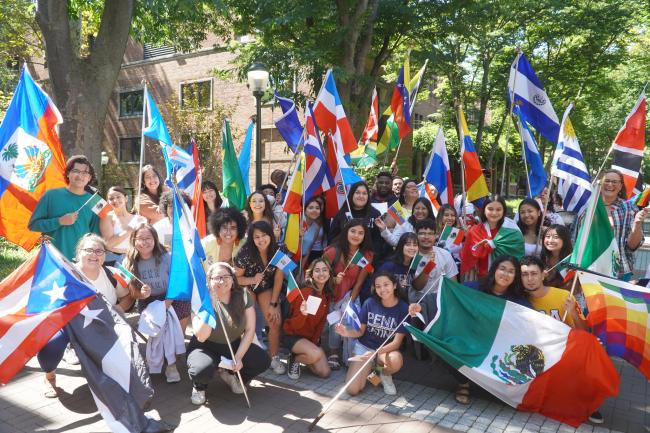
(527, 92)
(569, 166)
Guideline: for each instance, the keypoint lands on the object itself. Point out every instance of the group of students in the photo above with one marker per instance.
(245, 287)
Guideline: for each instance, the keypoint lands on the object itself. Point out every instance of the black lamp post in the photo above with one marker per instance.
(258, 80)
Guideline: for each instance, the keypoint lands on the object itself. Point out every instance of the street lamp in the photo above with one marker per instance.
(104, 161)
(258, 80)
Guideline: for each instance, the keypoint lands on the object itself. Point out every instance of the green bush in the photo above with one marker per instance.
(11, 256)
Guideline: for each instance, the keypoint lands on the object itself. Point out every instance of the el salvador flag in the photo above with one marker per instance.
(352, 316)
(186, 270)
(536, 174)
(438, 172)
(527, 93)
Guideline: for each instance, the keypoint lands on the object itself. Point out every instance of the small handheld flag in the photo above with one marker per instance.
(451, 235)
(397, 213)
(283, 262)
(642, 199)
(351, 315)
(361, 261)
(292, 288)
(100, 206)
(122, 275)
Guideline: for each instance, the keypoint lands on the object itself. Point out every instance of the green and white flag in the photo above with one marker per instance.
(596, 248)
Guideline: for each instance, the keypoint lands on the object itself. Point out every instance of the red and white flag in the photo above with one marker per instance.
(629, 144)
(371, 130)
(330, 116)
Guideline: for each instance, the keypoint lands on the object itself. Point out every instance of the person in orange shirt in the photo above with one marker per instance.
(302, 330)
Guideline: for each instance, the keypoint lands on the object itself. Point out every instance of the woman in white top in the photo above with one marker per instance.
(421, 210)
(117, 227)
(530, 220)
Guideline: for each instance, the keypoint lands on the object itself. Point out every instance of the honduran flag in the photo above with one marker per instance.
(438, 171)
(330, 115)
(474, 180)
(36, 300)
(629, 144)
(529, 360)
(400, 106)
(31, 159)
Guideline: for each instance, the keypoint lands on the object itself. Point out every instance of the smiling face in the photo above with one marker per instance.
(79, 176)
(449, 217)
(209, 195)
(552, 241)
(220, 280)
(320, 273)
(116, 199)
(151, 181)
(91, 255)
(383, 185)
(257, 203)
(312, 211)
(397, 185)
(355, 236)
(261, 240)
(228, 233)
(410, 249)
(144, 242)
(420, 211)
(411, 192)
(612, 186)
(503, 277)
(494, 213)
(529, 215)
(360, 197)
(385, 288)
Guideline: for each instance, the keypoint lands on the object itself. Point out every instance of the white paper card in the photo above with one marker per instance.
(312, 304)
(381, 207)
(334, 317)
(226, 363)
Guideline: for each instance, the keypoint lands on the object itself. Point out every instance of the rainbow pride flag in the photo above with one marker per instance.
(642, 199)
(474, 180)
(619, 314)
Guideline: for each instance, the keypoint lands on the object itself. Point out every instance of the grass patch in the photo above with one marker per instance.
(11, 256)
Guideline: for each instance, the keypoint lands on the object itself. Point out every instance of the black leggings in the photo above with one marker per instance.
(203, 359)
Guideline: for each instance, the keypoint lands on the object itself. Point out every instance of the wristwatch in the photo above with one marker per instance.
(273, 304)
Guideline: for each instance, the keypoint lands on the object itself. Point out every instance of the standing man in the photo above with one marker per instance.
(58, 212)
(383, 192)
(397, 185)
(625, 218)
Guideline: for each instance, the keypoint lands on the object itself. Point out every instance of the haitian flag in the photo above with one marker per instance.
(31, 159)
(36, 301)
(527, 359)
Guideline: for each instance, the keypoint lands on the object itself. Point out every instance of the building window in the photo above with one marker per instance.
(197, 94)
(129, 149)
(131, 103)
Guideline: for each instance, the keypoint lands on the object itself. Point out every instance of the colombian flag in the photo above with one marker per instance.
(31, 159)
(474, 179)
(293, 207)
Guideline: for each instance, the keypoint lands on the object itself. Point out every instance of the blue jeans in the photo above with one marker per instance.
(51, 354)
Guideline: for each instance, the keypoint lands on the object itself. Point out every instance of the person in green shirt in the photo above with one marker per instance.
(57, 213)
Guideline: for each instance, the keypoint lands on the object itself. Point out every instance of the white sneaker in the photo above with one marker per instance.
(232, 381)
(69, 356)
(277, 366)
(389, 386)
(198, 397)
(294, 368)
(172, 374)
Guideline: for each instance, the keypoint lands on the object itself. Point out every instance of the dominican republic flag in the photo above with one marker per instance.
(317, 178)
(289, 124)
(527, 359)
(36, 301)
(330, 116)
(400, 106)
(100, 206)
(186, 269)
(283, 262)
(527, 93)
(31, 159)
(536, 173)
(629, 144)
(351, 315)
(569, 166)
(113, 366)
(438, 171)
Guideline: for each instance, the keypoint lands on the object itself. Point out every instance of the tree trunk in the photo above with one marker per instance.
(483, 100)
(82, 86)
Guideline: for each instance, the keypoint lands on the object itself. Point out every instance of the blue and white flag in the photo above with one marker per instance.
(569, 167)
(289, 124)
(244, 158)
(186, 270)
(531, 98)
(438, 172)
(351, 315)
(348, 175)
(537, 178)
(283, 262)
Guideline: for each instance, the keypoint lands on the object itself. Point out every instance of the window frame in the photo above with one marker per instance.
(119, 103)
(119, 149)
(197, 81)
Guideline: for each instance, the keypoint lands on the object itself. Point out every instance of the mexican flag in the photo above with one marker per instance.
(99, 206)
(451, 236)
(595, 248)
(421, 264)
(362, 261)
(508, 240)
(293, 290)
(529, 360)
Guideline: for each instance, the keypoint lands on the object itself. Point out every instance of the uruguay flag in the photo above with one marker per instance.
(289, 124)
(31, 160)
(330, 116)
(527, 93)
(438, 172)
(537, 178)
(186, 271)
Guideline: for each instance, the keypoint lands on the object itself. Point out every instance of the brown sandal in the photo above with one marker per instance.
(50, 388)
(462, 394)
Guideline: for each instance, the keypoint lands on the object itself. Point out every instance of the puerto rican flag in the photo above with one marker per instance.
(36, 301)
(330, 115)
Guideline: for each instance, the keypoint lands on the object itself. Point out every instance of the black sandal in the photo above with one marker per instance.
(333, 362)
(462, 394)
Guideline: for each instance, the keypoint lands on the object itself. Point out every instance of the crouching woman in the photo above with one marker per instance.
(207, 346)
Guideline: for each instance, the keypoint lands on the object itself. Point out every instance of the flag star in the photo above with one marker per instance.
(57, 292)
(89, 315)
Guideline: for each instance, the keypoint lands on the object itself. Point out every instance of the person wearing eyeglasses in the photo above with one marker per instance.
(59, 213)
(626, 220)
